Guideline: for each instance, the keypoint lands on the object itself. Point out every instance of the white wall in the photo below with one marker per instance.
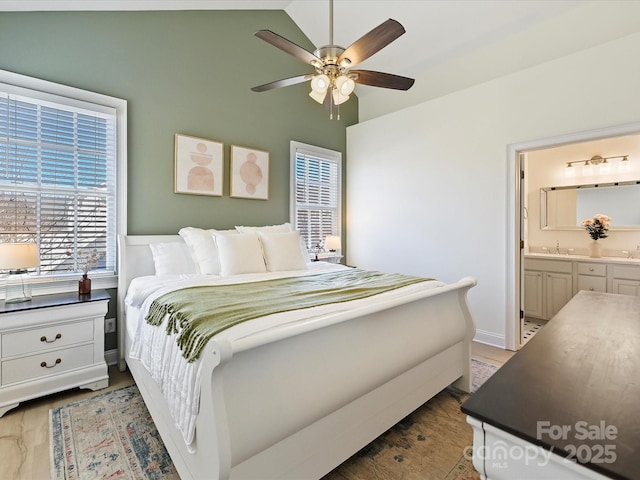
(427, 187)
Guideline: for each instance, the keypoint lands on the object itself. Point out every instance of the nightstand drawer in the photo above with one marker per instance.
(45, 338)
(49, 363)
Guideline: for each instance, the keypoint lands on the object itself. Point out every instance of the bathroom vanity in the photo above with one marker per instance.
(550, 281)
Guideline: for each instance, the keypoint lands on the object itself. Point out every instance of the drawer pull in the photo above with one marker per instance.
(591, 289)
(44, 339)
(44, 364)
(591, 269)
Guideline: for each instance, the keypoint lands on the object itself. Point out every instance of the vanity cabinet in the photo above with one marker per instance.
(549, 283)
(592, 276)
(548, 287)
(626, 279)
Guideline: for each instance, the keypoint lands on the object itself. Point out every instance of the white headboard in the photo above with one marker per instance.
(134, 260)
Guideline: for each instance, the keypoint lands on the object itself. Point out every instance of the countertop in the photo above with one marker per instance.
(569, 258)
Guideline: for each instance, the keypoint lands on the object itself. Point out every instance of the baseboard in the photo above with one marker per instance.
(111, 357)
(490, 338)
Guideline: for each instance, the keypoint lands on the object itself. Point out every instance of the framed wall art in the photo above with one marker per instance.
(198, 166)
(249, 173)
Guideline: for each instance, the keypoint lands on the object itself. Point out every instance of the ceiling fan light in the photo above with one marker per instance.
(320, 84)
(345, 85)
(318, 97)
(338, 98)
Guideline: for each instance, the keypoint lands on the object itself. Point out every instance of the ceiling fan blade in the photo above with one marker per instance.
(285, 82)
(380, 79)
(288, 46)
(372, 42)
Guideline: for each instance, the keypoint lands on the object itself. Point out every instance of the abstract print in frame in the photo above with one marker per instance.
(249, 173)
(198, 166)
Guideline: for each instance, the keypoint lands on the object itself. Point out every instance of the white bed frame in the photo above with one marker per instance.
(296, 401)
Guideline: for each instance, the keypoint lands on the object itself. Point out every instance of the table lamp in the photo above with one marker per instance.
(17, 257)
(332, 243)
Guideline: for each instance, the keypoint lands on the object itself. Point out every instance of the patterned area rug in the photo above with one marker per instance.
(111, 435)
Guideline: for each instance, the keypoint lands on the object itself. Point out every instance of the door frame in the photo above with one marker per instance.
(515, 255)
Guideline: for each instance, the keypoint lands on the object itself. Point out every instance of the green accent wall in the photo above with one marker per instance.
(186, 72)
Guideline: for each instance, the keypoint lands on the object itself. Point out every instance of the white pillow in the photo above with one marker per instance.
(203, 248)
(282, 228)
(172, 258)
(282, 251)
(240, 254)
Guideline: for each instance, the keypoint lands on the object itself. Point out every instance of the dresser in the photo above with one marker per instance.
(566, 405)
(51, 343)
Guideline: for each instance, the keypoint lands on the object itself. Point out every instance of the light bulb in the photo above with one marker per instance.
(605, 167)
(587, 170)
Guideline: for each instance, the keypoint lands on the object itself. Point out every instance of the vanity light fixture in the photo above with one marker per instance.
(598, 165)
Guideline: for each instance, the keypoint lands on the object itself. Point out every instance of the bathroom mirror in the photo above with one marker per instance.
(564, 208)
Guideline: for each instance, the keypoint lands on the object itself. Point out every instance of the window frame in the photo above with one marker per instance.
(320, 152)
(67, 282)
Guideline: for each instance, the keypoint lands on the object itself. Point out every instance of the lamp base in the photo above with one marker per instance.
(17, 287)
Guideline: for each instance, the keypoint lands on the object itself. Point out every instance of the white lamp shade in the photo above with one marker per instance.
(338, 98)
(332, 242)
(318, 97)
(345, 85)
(16, 256)
(320, 83)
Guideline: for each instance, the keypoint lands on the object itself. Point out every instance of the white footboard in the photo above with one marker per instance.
(296, 401)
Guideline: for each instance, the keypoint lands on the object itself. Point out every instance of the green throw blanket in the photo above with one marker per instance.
(198, 313)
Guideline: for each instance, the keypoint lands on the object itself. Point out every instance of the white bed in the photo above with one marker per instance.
(293, 397)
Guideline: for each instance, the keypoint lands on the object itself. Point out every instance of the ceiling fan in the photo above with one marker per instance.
(334, 81)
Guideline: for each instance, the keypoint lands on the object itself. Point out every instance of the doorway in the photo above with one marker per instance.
(517, 218)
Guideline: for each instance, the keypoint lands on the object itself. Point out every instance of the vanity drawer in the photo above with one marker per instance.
(46, 363)
(629, 272)
(592, 284)
(596, 269)
(46, 337)
(559, 266)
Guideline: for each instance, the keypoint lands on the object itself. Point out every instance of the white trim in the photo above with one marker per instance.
(62, 283)
(489, 338)
(513, 273)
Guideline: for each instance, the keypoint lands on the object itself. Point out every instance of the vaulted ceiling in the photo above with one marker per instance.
(449, 44)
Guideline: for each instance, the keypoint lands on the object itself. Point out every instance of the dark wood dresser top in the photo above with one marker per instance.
(581, 372)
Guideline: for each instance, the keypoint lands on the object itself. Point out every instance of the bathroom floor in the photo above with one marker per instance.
(531, 327)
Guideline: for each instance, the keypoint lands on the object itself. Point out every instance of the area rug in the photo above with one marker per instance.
(112, 435)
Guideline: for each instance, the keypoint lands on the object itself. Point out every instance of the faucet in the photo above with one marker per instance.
(557, 247)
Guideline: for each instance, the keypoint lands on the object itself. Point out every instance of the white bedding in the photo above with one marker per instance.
(158, 352)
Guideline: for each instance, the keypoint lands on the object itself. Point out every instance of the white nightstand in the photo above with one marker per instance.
(330, 257)
(51, 343)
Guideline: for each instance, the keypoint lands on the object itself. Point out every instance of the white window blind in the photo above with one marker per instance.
(58, 177)
(316, 192)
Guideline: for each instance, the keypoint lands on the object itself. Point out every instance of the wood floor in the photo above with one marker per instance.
(24, 431)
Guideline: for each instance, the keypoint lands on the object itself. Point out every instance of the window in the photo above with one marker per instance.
(316, 192)
(60, 163)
